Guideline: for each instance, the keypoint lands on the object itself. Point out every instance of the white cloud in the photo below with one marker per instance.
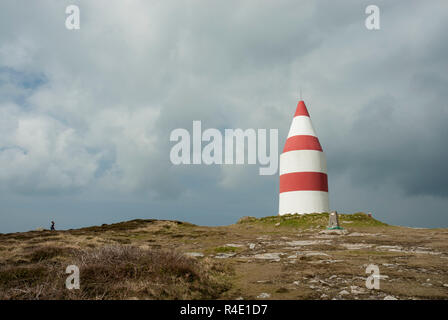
(41, 155)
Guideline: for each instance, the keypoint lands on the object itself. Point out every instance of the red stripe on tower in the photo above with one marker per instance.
(301, 110)
(300, 181)
(303, 142)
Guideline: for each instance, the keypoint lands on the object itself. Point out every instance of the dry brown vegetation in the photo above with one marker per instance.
(285, 257)
(112, 272)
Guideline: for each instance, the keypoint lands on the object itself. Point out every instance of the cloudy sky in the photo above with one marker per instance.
(86, 115)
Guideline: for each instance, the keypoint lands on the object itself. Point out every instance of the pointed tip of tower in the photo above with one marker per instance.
(301, 109)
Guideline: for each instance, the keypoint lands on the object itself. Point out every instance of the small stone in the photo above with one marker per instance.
(388, 264)
(296, 283)
(344, 292)
(390, 298)
(310, 254)
(224, 255)
(356, 290)
(277, 224)
(251, 246)
(445, 285)
(263, 295)
(268, 256)
(264, 281)
(299, 243)
(357, 234)
(194, 254)
(356, 246)
(239, 298)
(332, 277)
(234, 245)
(390, 248)
(334, 231)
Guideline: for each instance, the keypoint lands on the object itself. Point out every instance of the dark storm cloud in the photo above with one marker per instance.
(389, 146)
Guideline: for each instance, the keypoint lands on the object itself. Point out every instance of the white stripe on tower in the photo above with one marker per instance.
(311, 161)
(301, 125)
(303, 169)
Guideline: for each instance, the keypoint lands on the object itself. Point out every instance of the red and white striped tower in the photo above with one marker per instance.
(303, 169)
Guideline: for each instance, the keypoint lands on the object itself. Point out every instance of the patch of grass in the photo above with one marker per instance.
(122, 240)
(31, 235)
(177, 235)
(226, 249)
(361, 219)
(185, 224)
(297, 221)
(313, 220)
(121, 226)
(128, 225)
(23, 275)
(282, 290)
(48, 252)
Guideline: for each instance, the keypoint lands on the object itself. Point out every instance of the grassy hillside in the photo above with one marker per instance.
(287, 257)
(316, 220)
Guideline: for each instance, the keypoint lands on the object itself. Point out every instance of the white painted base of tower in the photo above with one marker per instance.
(308, 201)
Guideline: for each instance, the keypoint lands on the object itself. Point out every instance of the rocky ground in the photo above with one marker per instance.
(288, 257)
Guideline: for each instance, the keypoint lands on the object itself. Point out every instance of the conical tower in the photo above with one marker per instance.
(303, 169)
